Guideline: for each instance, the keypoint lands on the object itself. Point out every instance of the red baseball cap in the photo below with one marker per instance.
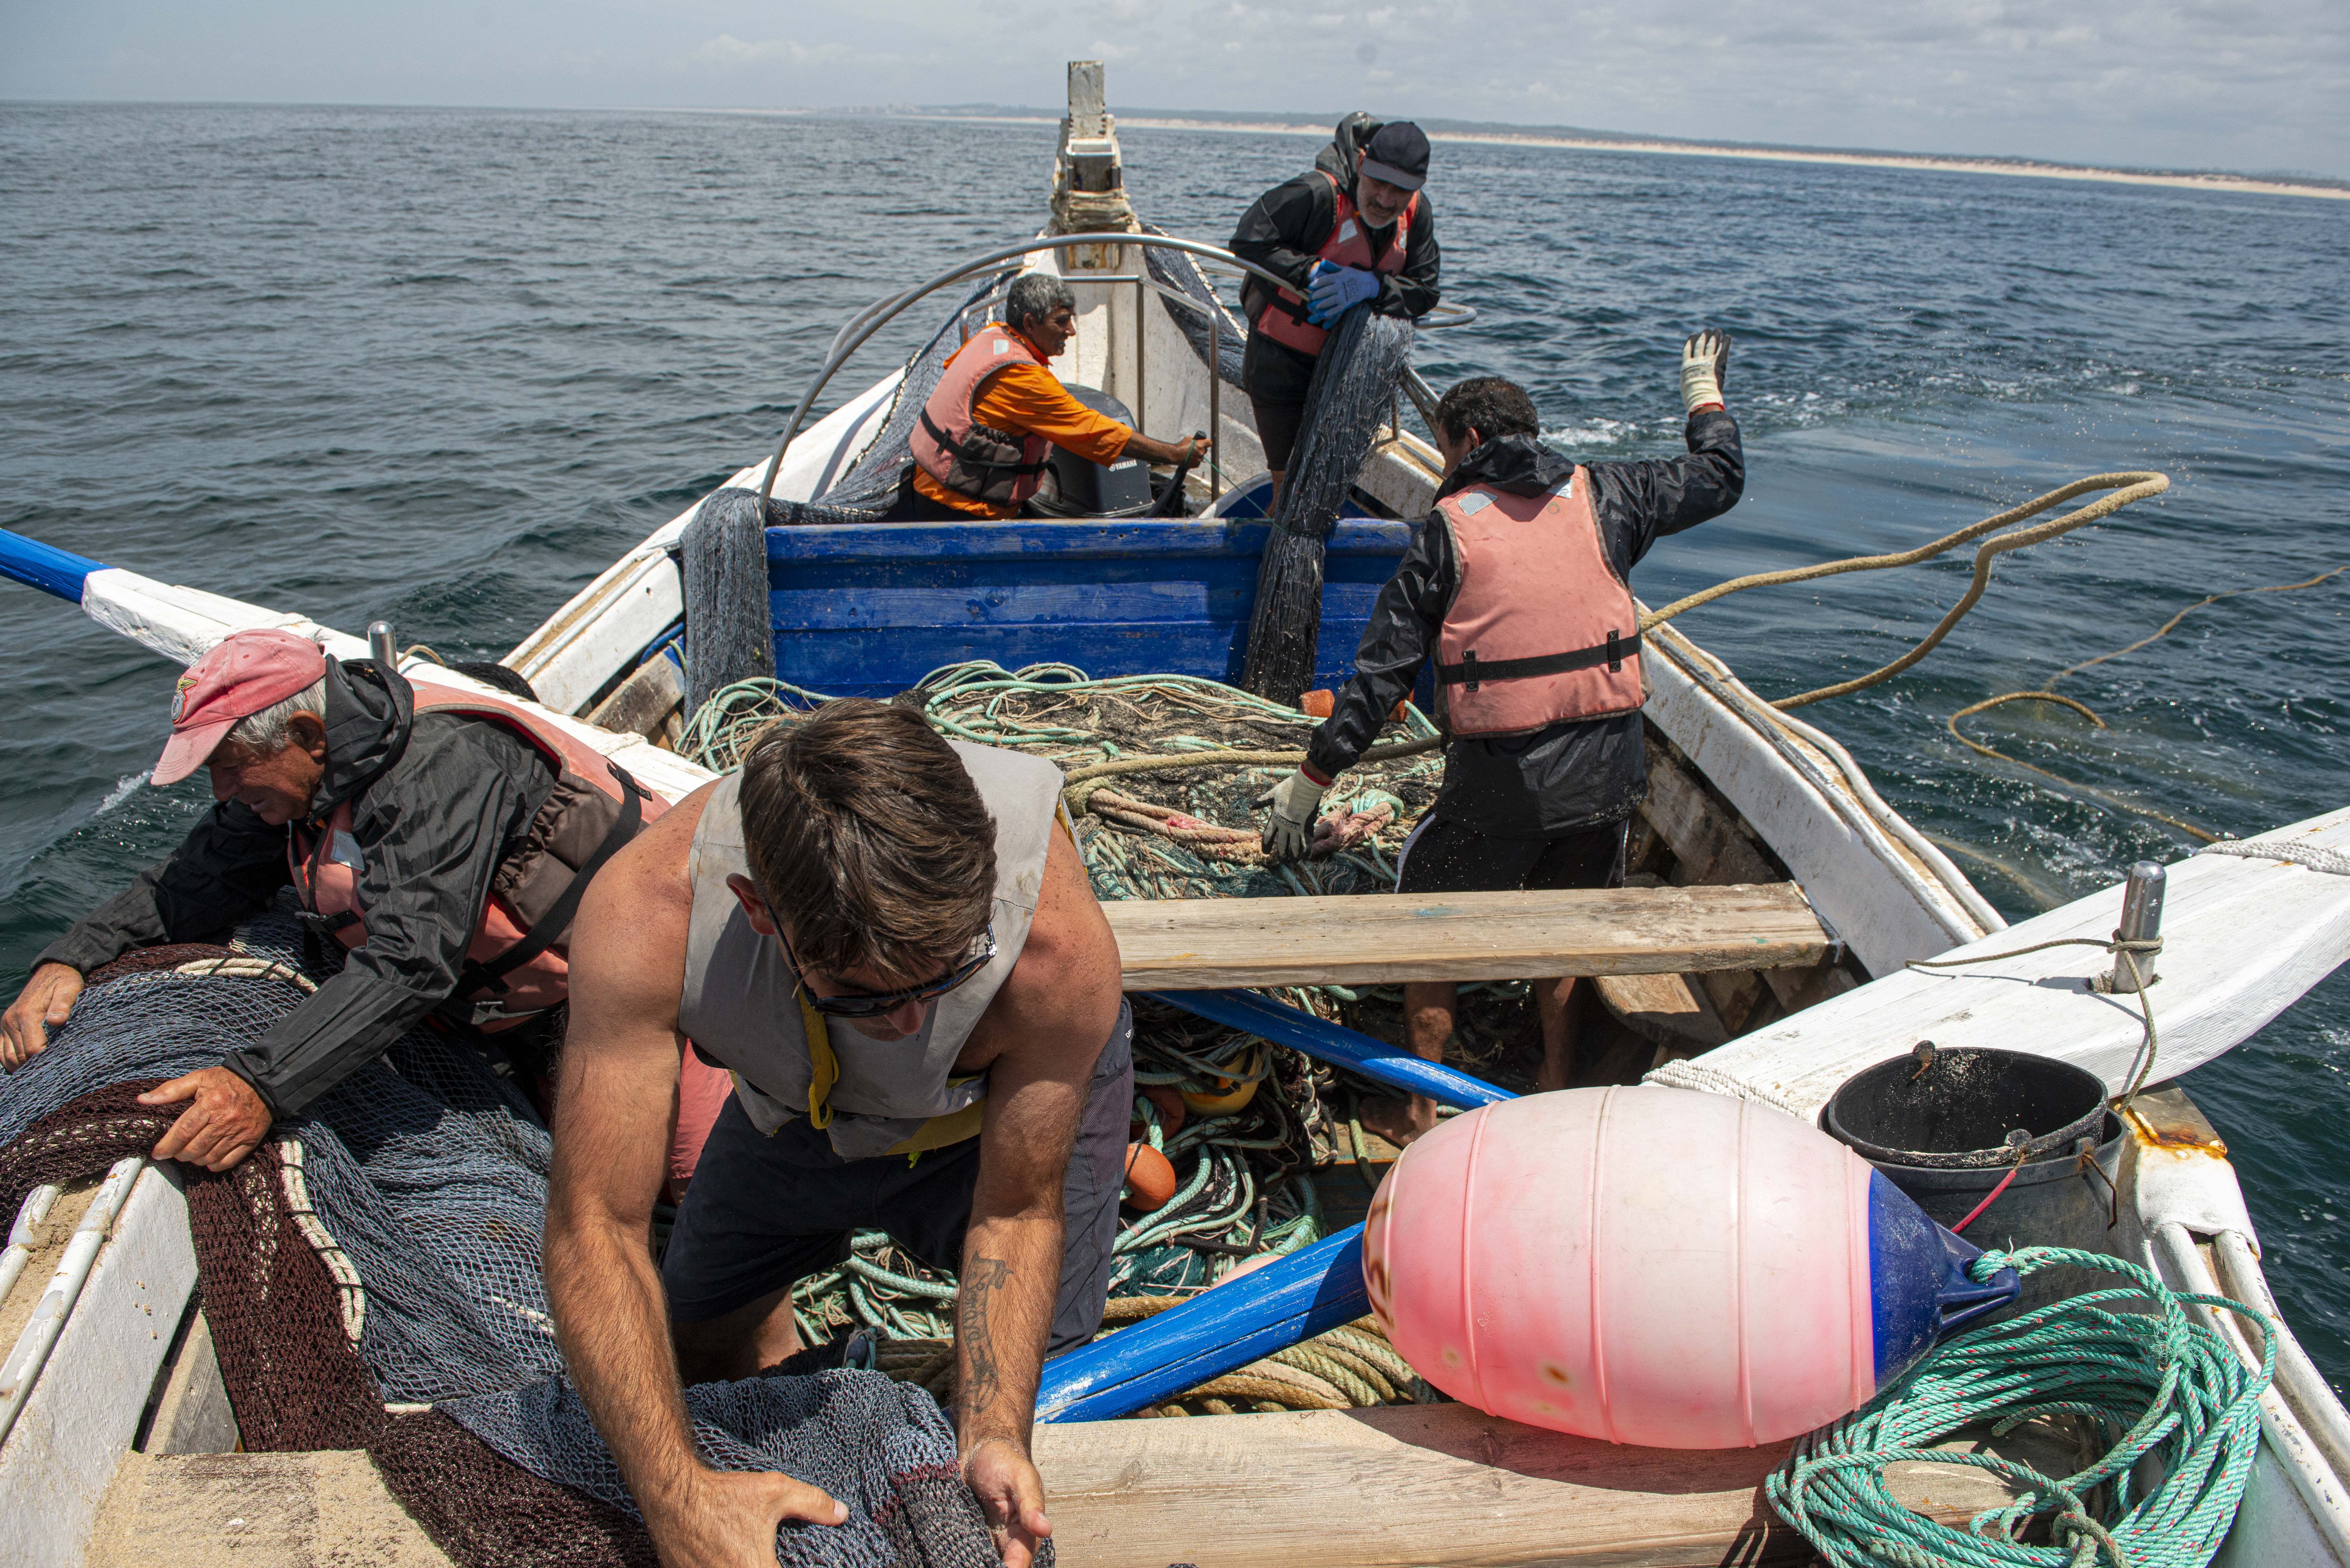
(246, 673)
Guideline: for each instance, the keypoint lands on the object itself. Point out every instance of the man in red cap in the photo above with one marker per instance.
(408, 829)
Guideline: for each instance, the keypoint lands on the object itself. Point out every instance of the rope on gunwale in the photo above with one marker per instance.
(2127, 1364)
(2126, 952)
(2316, 858)
(1689, 1072)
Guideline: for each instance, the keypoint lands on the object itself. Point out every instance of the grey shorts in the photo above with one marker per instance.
(763, 1212)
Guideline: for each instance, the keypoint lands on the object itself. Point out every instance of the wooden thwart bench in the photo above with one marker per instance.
(1442, 1486)
(1410, 1487)
(1200, 944)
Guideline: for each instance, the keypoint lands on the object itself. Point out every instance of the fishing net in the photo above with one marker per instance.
(385, 1247)
(1353, 380)
(723, 562)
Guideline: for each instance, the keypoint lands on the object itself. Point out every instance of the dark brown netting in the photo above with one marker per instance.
(294, 1380)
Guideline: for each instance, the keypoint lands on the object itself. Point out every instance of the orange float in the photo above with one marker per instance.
(1149, 1179)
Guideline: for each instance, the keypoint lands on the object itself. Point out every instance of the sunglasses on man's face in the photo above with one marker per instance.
(873, 1004)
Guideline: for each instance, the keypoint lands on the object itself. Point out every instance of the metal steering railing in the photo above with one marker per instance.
(862, 326)
(873, 317)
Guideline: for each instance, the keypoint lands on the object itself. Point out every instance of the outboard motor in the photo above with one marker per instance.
(1077, 488)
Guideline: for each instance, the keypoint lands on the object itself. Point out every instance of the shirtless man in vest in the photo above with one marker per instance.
(998, 411)
(1518, 589)
(1357, 226)
(433, 832)
(890, 942)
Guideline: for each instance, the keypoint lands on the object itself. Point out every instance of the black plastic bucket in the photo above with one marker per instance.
(1942, 1125)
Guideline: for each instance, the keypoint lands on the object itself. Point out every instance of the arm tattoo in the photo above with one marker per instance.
(979, 1282)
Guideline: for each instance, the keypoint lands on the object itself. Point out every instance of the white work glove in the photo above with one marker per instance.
(1705, 365)
(1296, 802)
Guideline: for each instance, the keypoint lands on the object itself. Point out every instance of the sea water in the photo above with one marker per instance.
(442, 366)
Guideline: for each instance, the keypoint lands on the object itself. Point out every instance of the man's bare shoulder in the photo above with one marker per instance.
(627, 944)
(1067, 982)
(655, 864)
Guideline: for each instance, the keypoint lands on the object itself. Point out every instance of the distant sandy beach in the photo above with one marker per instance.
(2230, 182)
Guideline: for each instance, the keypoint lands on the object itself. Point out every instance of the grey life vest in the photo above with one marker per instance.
(742, 1009)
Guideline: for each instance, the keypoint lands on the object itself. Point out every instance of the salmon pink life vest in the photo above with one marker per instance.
(1541, 630)
(999, 467)
(1349, 244)
(515, 967)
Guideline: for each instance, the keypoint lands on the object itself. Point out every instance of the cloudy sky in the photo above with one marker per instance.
(2252, 85)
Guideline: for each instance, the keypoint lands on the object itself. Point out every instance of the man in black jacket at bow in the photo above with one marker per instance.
(1535, 805)
(1355, 226)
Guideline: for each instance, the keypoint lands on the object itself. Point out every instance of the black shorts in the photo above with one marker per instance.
(1276, 427)
(764, 1212)
(1276, 378)
(1443, 856)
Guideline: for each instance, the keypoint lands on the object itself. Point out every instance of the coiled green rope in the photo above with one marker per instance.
(2152, 1380)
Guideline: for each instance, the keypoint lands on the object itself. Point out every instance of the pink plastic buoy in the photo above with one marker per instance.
(1658, 1267)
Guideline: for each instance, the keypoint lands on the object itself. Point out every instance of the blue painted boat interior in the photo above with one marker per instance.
(868, 610)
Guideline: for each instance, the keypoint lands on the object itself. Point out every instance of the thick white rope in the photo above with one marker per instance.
(250, 967)
(1694, 1075)
(2316, 856)
(340, 1267)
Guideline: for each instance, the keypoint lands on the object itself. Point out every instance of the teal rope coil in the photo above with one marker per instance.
(2151, 1380)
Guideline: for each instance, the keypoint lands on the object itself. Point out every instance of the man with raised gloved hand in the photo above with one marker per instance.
(1519, 589)
(1355, 227)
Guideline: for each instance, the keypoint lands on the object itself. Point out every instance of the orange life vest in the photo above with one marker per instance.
(516, 965)
(1283, 319)
(1542, 630)
(999, 467)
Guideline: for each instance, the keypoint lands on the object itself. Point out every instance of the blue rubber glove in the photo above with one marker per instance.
(1337, 289)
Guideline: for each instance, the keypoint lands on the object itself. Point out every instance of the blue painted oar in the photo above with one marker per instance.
(1272, 1307)
(1317, 1037)
(45, 567)
(1255, 1315)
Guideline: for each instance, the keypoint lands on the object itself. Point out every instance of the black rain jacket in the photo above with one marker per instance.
(437, 802)
(1281, 233)
(1568, 777)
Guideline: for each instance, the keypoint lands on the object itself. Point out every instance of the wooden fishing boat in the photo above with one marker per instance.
(1768, 958)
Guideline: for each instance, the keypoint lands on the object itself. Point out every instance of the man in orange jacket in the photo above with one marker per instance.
(980, 449)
